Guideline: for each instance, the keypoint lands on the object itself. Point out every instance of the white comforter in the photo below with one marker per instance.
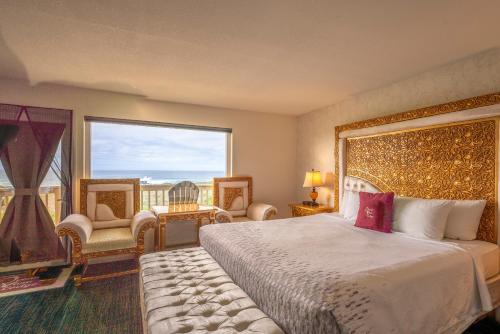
(406, 285)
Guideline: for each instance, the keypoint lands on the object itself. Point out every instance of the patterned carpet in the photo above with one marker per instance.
(18, 282)
(107, 306)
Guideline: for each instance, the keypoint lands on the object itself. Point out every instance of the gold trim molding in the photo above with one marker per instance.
(470, 103)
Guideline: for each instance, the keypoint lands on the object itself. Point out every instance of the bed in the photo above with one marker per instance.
(320, 274)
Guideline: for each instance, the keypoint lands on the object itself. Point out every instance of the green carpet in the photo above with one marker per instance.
(106, 306)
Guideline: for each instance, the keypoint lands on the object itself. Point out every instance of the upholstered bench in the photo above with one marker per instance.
(186, 291)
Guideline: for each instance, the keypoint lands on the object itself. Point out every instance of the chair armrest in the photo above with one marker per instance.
(261, 211)
(141, 222)
(222, 216)
(77, 226)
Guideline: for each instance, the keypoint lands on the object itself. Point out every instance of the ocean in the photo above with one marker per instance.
(146, 176)
(160, 176)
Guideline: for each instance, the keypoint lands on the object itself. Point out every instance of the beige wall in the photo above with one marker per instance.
(477, 75)
(263, 144)
(276, 150)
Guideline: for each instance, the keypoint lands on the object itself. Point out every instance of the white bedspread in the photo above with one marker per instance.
(400, 284)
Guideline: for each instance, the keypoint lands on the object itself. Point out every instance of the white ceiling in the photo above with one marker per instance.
(285, 56)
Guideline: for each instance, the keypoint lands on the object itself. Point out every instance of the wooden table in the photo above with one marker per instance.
(299, 210)
(180, 212)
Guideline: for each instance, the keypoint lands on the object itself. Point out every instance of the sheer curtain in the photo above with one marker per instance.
(26, 161)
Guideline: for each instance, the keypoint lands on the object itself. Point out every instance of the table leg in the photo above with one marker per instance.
(198, 222)
(162, 235)
(157, 237)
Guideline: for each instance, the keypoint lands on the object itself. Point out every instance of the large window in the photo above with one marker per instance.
(160, 155)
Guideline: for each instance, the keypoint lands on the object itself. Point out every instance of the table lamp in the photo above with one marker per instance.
(313, 179)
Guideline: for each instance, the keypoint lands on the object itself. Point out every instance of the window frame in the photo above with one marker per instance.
(88, 120)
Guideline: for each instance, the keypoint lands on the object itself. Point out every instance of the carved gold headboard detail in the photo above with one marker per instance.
(449, 161)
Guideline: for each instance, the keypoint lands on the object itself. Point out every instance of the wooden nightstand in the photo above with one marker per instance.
(299, 210)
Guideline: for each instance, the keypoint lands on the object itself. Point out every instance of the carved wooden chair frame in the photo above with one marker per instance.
(224, 218)
(81, 259)
(218, 180)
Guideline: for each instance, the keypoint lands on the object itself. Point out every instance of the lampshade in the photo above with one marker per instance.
(313, 179)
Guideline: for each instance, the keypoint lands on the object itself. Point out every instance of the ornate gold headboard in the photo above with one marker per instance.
(455, 160)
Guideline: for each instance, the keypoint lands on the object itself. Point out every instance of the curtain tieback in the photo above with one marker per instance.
(26, 191)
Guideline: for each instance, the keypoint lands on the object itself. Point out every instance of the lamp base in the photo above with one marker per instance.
(313, 195)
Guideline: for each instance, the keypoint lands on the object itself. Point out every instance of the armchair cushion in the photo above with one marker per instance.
(111, 223)
(79, 224)
(109, 239)
(261, 211)
(139, 220)
(104, 212)
(222, 216)
(234, 197)
(117, 197)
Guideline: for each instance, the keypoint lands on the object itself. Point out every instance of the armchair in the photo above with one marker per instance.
(233, 197)
(109, 224)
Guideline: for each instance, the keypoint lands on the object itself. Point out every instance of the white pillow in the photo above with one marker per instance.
(104, 212)
(421, 218)
(351, 204)
(464, 219)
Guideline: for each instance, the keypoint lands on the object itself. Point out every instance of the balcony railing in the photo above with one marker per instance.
(151, 194)
(157, 194)
(51, 197)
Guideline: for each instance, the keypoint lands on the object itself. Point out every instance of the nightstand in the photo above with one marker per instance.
(299, 210)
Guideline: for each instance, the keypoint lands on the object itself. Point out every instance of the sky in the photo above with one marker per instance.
(138, 147)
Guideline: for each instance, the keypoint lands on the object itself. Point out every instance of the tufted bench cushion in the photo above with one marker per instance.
(186, 291)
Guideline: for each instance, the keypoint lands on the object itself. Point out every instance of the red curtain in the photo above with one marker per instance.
(26, 161)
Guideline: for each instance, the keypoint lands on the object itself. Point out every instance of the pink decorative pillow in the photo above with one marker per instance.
(375, 211)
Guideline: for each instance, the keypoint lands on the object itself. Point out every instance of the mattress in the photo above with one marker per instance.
(320, 274)
(485, 253)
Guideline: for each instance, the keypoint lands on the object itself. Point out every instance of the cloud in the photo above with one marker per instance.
(134, 147)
